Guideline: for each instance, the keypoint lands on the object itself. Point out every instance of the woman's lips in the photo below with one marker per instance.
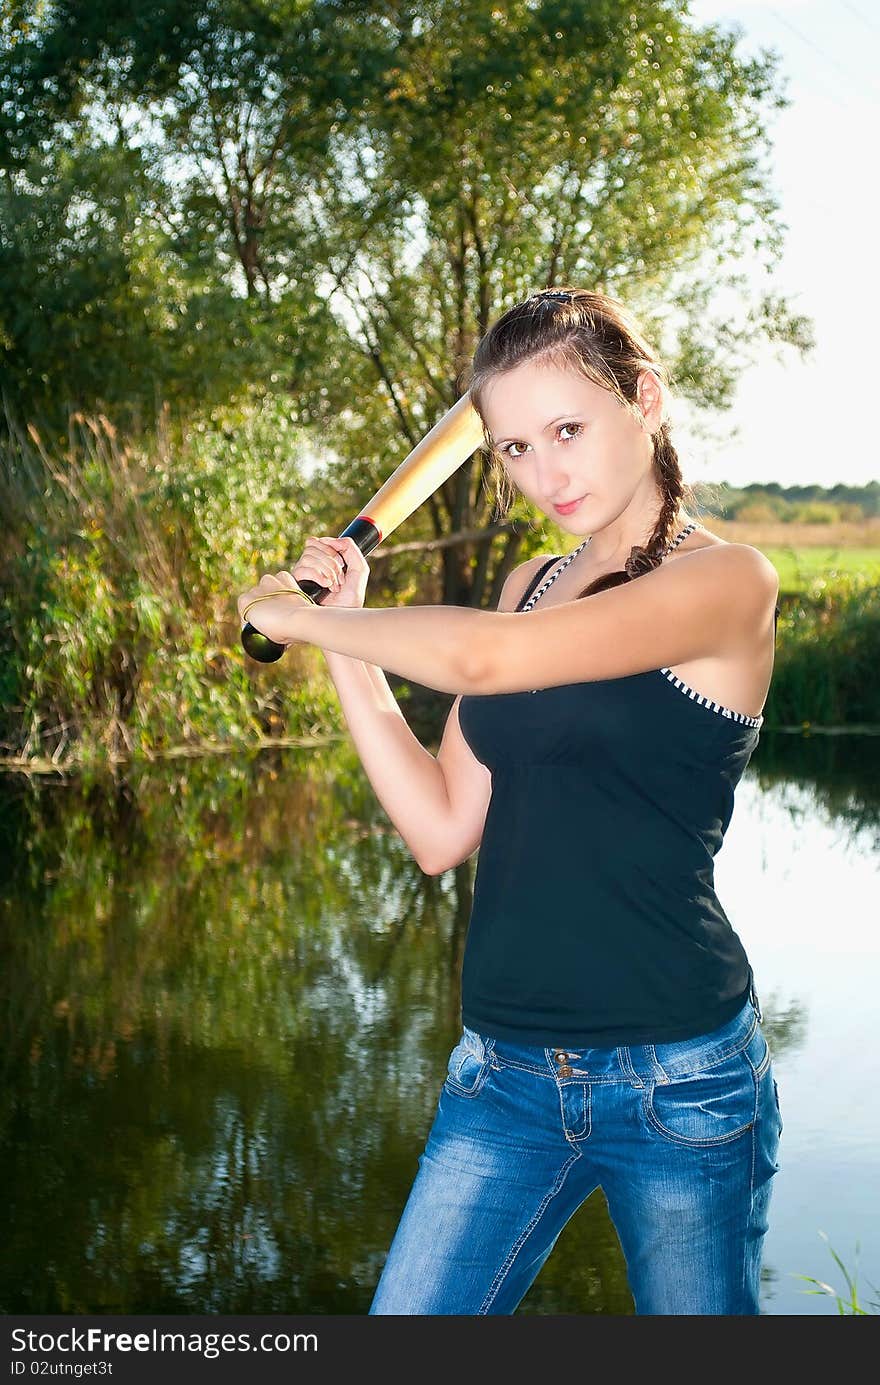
(568, 509)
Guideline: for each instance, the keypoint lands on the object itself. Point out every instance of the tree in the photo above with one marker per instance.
(376, 182)
(534, 143)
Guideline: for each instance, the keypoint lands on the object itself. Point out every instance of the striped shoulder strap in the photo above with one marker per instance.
(535, 580)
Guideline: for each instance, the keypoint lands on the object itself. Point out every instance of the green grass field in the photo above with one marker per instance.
(799, 567)
(803, 552)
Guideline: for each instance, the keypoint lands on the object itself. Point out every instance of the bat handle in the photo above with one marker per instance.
(367, 535)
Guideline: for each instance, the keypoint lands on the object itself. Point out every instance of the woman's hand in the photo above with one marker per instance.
(336, 564)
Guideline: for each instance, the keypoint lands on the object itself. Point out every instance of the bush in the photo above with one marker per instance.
(122, 564)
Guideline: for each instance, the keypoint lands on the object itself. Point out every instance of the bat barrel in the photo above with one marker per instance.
(367, 535)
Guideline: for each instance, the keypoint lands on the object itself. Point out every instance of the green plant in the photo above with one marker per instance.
(845, 1306)
(118, 631)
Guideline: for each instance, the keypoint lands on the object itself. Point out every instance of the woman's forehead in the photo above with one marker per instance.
(530, 395)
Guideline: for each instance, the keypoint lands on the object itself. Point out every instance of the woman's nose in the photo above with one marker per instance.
(553, 480)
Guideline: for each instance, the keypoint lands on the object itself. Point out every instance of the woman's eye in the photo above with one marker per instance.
(577, 427)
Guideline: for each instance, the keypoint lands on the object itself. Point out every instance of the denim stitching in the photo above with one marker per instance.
(660, 1075)
(550, 1072)
(751, 1202)
(581, 1074)
(497, 1283)
(717, 1056)
(628, 1073)
(458, 1090)
(587, 1113)
(779, 1120)
(534, 1069)
(627, 1064)
(469, 1045)
(751, 1186)
(694, 1141)
(764, 1063)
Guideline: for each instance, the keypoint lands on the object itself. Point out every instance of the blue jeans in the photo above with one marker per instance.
(682, 1137)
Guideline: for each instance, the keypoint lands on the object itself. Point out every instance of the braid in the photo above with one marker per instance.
(669, 480)
(645, 559)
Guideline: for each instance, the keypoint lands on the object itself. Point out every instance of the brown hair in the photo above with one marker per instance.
(599, 338)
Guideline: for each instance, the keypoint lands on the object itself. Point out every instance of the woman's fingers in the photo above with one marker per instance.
(328, 563)
(325, 561)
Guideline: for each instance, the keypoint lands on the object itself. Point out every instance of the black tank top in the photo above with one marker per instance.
(595, 919)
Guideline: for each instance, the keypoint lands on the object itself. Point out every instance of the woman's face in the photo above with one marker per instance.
(563, 438)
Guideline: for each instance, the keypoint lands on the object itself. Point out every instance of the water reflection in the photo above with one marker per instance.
(228, 998)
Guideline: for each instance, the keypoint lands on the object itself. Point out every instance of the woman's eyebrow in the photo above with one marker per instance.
(570, 413)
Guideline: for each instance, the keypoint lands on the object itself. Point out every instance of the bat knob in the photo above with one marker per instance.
(259, 646)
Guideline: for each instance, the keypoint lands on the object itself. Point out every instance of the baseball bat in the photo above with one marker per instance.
(431, 462)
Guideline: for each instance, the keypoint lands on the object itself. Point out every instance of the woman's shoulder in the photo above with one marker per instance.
(742, 560)
(517, 582)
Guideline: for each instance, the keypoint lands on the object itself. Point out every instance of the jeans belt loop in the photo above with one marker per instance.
(753, 995)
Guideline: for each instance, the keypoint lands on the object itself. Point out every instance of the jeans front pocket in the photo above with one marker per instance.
(708, 1107)
(468, 1065)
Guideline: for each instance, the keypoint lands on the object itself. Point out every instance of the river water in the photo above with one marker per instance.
(228, 995)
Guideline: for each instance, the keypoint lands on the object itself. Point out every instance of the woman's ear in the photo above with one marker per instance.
(650, 397)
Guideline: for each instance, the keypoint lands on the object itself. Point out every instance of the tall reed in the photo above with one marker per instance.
(849, 1304)
(827, 655)
(119, 567)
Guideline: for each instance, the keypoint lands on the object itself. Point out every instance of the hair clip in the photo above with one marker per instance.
(560, 295)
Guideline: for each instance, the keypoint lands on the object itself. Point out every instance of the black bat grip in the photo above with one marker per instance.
(366, 535)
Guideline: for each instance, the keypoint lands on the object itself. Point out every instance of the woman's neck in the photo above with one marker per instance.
(611, 554)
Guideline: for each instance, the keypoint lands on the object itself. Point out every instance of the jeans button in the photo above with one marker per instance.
(562, 1059)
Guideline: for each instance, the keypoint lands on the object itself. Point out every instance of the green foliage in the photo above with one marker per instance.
(123, 560)
(849, 1306)
(815, 512)
(810, 504)
(299, 219)
(827, 655)
(102, 305)
(756, 512)
(88, 303)
(120, 630)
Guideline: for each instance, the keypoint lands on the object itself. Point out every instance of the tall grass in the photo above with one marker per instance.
(120, 564)
(827, 655)
(849, 1304)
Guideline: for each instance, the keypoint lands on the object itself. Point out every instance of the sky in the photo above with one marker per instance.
(801, 422)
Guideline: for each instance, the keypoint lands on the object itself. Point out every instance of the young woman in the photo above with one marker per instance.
(611, 1031)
